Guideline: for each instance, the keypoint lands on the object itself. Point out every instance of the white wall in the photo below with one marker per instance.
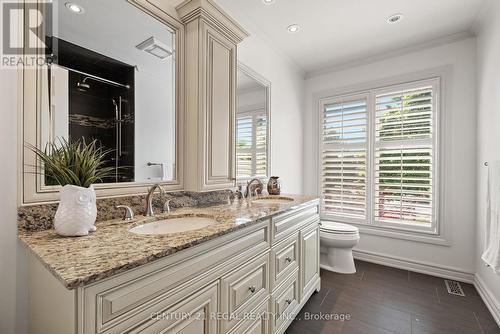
(12, 277)
(460, 154)
(255, 98)
(488, 54)
(287, 96)
(287, 92)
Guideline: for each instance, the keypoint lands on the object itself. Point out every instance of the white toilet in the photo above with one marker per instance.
(337, 242)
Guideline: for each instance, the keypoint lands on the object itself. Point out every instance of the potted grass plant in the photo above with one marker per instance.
(76, 166)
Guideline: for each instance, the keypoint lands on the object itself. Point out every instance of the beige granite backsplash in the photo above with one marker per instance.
(41, 217)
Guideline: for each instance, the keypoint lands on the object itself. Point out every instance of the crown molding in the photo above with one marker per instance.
(208, 10)
(391, 54)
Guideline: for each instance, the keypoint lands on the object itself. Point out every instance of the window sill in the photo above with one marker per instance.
(387, 232)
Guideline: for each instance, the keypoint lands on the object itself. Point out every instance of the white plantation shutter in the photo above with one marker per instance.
(344, 153)
(251, 144)
(379, 157)
(244, 145)
(404, 145)
(260, 145)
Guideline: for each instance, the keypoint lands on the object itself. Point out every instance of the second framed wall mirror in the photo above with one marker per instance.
(253, 104)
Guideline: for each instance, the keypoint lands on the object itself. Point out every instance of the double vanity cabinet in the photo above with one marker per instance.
(252, 279)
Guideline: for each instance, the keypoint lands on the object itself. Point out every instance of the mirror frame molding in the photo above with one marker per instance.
(30, 188)
(267, 84)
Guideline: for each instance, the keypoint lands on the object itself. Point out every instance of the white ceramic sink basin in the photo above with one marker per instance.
(272, 200)
(173, 225)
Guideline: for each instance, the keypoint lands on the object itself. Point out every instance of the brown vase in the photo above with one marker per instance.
(274, 185)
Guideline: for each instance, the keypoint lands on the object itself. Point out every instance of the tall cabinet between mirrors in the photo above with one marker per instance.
(211, 41)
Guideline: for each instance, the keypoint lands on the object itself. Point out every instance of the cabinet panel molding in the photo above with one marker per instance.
(221, 103)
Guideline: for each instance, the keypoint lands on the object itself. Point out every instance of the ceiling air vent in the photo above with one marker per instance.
(156, 48)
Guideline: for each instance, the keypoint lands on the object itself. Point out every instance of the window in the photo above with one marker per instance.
(378, 157)
(251, 144)
(345, 135)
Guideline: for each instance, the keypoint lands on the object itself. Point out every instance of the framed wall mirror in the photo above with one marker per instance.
(253, 105)
(110, 78)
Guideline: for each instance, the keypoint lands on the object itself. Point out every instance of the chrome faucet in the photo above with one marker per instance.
(149, 199)
(254, 187)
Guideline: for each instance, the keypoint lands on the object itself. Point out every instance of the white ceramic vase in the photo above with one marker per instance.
(77, 211)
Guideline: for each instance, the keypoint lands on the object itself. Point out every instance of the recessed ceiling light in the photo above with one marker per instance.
(268, 2)
(293, 28)
(74, 8)
(394, 18)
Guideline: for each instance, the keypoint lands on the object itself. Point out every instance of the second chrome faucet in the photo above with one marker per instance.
(254, 187)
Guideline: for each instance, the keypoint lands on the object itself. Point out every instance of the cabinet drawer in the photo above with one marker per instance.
(194, 315)
(284, 303)
(256, 323)
(289, 222)
(284, 257)
(243, 289)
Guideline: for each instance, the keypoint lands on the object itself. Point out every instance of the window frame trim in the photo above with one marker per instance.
(436, 234)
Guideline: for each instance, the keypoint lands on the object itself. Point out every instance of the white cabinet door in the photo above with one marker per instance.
(219, 117)
(309, 261)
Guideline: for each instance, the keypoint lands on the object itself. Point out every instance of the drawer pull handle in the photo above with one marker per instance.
(252, 289)
(288, 301)
(288, 259)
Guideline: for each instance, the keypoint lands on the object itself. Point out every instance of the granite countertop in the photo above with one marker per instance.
(112, 249)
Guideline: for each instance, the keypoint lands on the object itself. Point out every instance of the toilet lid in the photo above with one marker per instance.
(338, 228)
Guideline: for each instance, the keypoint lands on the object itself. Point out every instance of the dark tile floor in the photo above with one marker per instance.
(385, 300)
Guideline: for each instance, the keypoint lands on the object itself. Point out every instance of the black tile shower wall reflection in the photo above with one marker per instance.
(100, 110)
(85, 60)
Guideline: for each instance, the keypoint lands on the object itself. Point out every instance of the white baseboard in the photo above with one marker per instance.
(489, 299)
(419, 267)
